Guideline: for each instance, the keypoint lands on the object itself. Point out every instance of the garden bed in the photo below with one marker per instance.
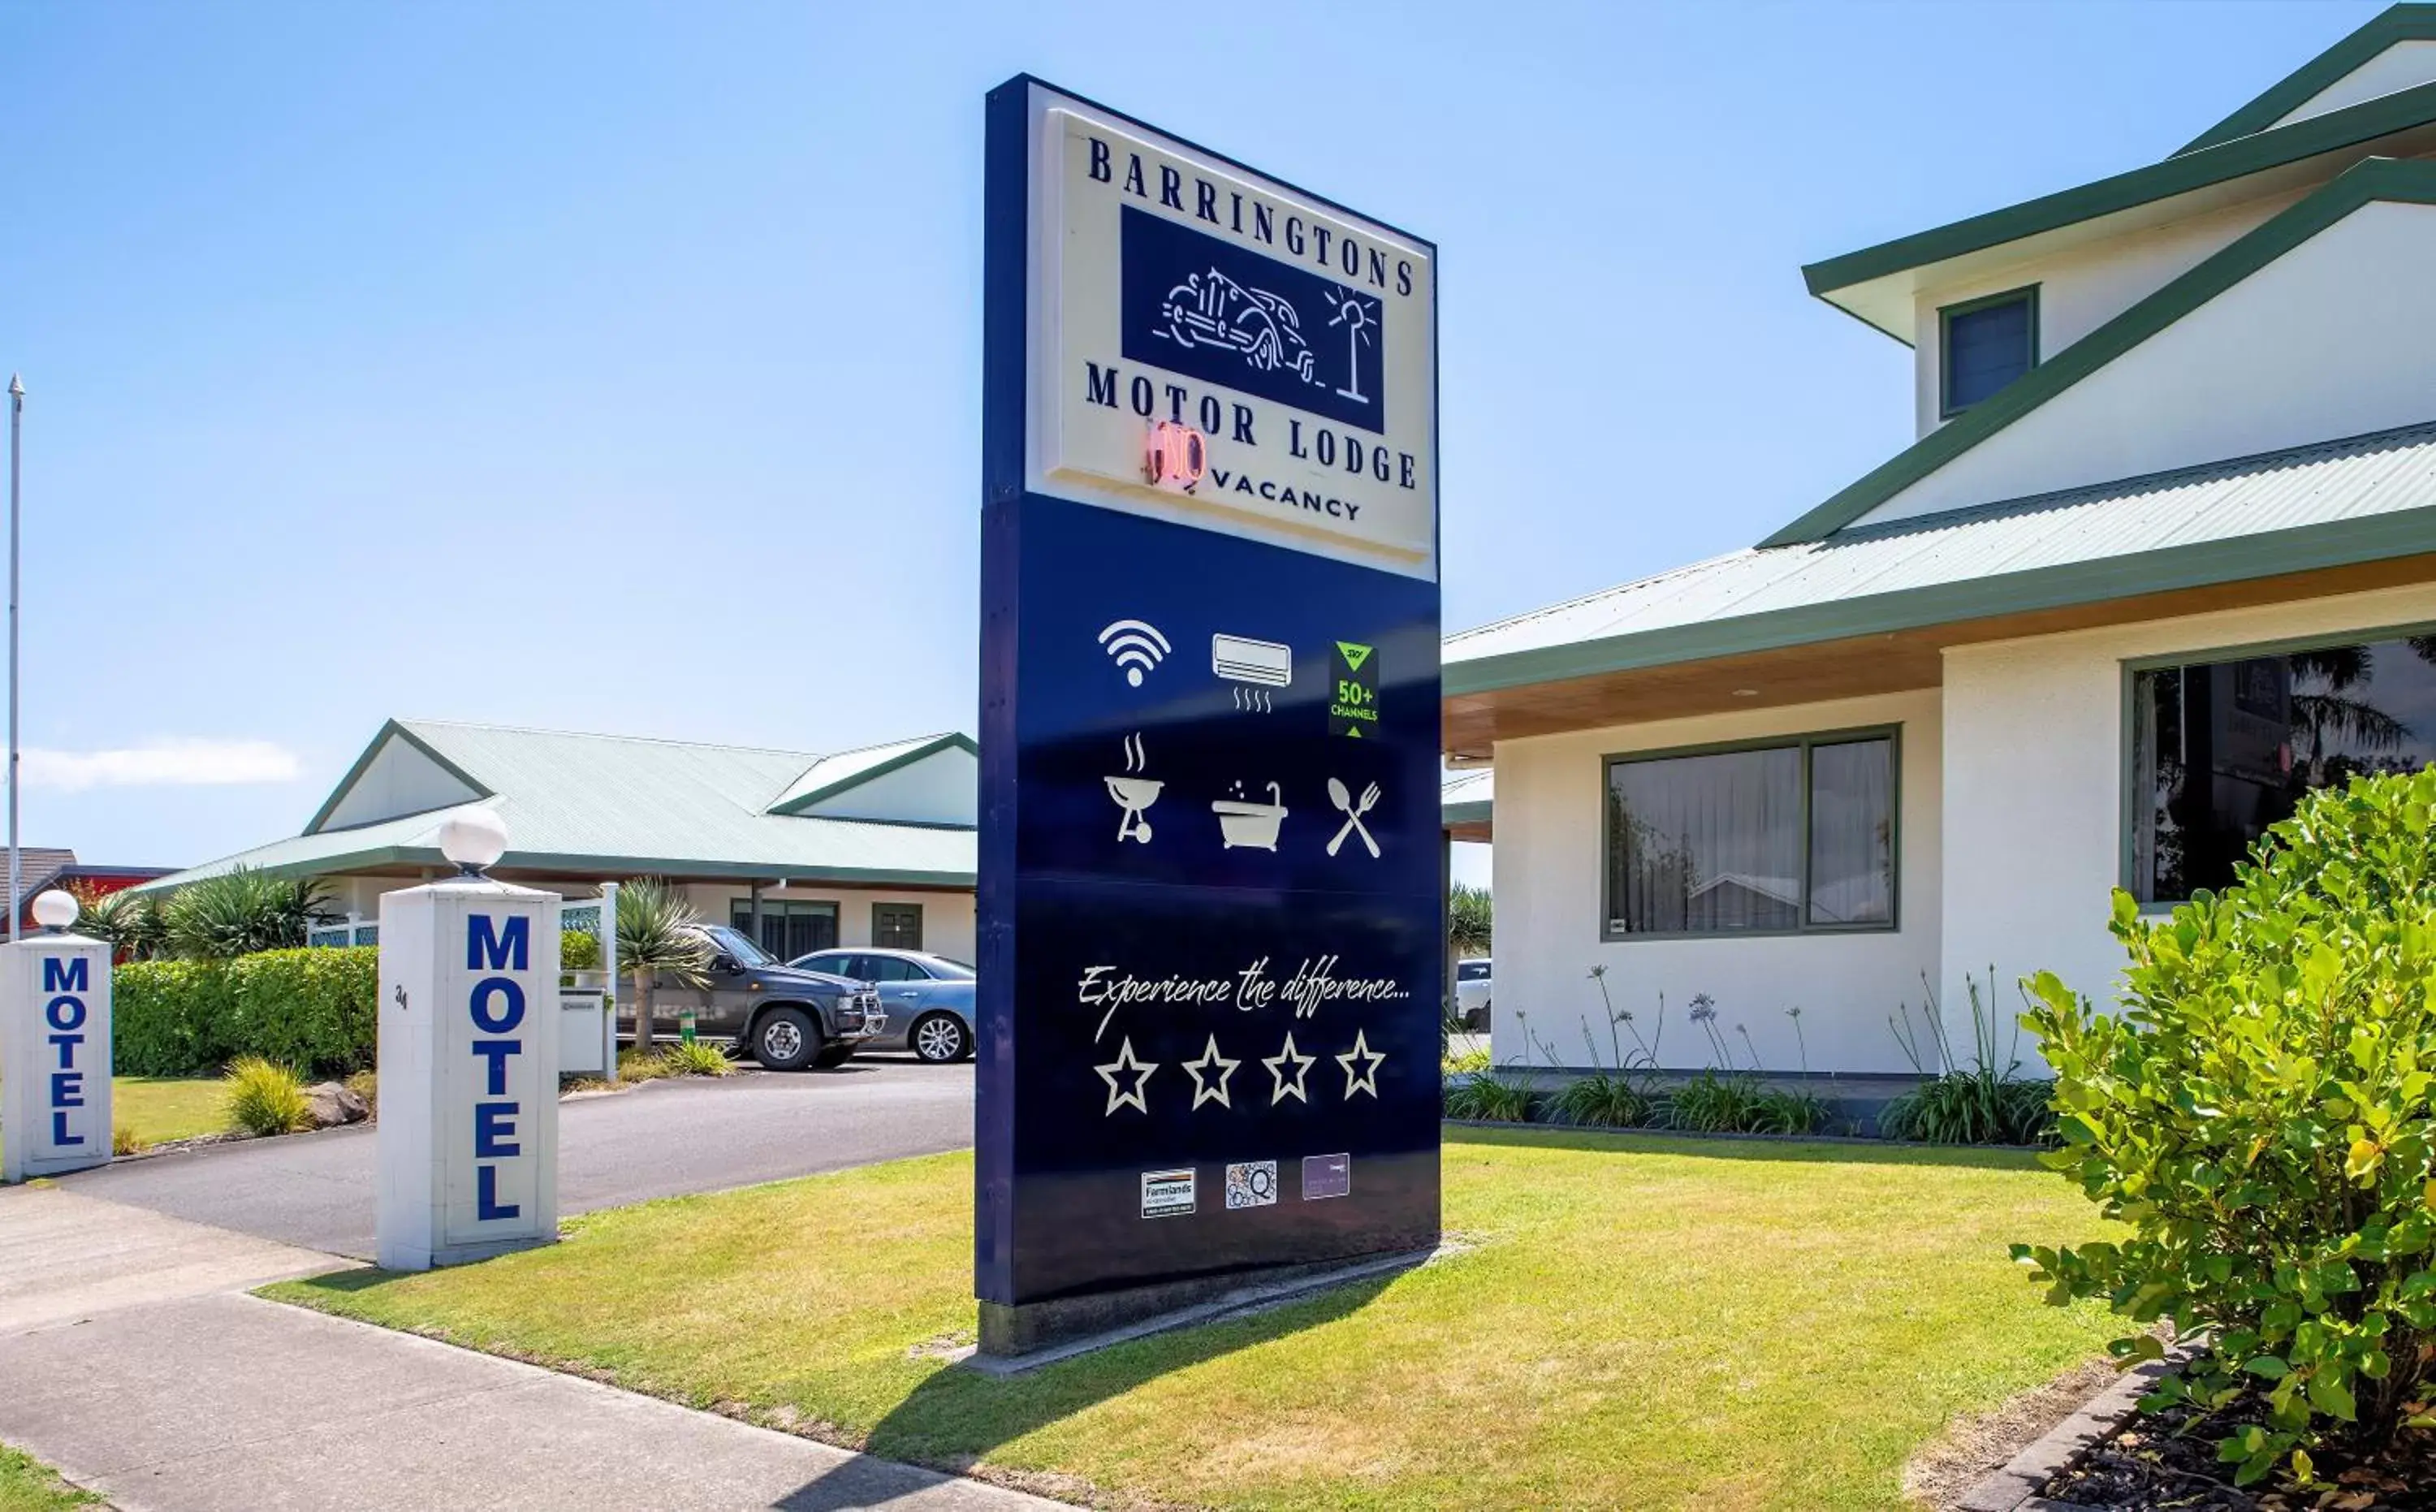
(2168, 1459)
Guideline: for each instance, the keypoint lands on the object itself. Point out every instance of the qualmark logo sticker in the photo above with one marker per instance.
(1252, 1184)
(1167, 1194)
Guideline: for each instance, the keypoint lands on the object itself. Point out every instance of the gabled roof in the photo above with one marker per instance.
(2329, 504)
(831, 776)
(2246, 157)
(615, 805)
(2392, 26)
(2374, 178)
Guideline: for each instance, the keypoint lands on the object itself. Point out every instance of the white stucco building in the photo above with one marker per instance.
(2162, 558)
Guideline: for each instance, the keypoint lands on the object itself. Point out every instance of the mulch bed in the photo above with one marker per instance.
(2165, 1462)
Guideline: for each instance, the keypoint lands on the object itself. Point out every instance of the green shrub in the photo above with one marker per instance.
(697, 1057)
(1495, 1097)
(170, 1019)
(1984, 1102)
(2260, 1114)
(579, 950)
(266, 1098)
(316, 1009)
(1718, 1102)
(1788, 1112)
(1467, 1063)
(1604, 1100)
(242, 911)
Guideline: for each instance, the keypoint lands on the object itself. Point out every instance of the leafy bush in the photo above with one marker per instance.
(579, 950)
(1493, 1097)
(264, 1098)
(240, 911)
(2261, 1116)
(170, 1019)
(697, 1057)
(1718, 1102)
(132, 926)
(1467, 1063)
(315, 1009)
(1605, 1100)
(1786, 1112)
(1981, 1103)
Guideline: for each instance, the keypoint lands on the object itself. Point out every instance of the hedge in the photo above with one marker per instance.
(313, 1010)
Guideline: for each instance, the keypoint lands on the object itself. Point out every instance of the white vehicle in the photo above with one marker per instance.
(1471, 992)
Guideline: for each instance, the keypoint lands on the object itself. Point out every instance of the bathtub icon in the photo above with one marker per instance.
(1252, 825)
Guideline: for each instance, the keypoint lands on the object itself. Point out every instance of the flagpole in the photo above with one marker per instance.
(16, 858)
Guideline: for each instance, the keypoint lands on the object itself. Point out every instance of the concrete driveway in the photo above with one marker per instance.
(661, 1140)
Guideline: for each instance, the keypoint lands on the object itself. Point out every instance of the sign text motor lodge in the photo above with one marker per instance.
(1299, 339)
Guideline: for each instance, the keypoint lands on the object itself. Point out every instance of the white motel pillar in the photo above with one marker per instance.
(53, 1048)
(469, 1028)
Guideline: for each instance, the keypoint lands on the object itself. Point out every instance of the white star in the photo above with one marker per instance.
(1126, 1063)
(1276, 1065)
(1368, 1080)
(1211, 1060)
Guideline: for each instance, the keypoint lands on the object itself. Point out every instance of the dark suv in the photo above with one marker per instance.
(787, 1018)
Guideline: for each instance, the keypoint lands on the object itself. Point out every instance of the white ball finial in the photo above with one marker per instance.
(55, 910)
(474, 840)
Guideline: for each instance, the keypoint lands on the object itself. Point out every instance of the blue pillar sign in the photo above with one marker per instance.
(469, 1024)
(1210, 898)
(54, 1055)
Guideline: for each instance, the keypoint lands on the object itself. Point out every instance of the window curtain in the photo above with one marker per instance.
(1853, 833)
(1706, 843)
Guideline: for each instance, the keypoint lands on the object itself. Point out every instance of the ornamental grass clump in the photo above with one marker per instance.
(2261, 1116)
(266, 1098)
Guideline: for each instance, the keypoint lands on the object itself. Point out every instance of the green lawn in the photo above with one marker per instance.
(156, 1108)
(29, 1486)
(1644, 1322)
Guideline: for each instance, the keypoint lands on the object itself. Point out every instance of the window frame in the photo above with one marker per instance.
(2127, 751)
(1891, 734)
(2028, 293)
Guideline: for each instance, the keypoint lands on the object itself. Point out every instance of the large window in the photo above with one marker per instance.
(1989, 342)
(789, 927)
(1755, 839)
(2222, 749)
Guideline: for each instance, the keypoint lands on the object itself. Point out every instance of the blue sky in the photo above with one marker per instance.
(615, 366)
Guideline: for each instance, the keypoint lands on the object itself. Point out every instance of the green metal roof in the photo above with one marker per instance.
(2395, 24)
(2372, 180)
(835, 775)
(617, 805)
(2333, 503)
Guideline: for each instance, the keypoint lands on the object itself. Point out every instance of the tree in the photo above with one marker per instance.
(657, 933)
(1469, 920)
(240, 911)
(130, 924)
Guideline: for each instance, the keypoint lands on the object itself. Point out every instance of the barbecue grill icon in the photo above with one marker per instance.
(1132, 793)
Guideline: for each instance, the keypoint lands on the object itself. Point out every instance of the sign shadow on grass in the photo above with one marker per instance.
(956, 1418)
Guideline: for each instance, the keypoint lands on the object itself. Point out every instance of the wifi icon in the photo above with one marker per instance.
(1135, 645)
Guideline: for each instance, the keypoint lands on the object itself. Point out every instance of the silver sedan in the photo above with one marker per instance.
(929, 999)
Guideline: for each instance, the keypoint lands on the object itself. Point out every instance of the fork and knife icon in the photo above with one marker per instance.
(1343, 799)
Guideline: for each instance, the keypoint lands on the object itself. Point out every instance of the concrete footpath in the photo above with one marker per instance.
(132, 1360)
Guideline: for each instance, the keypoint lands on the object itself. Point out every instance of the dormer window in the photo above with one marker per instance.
(1989, 342)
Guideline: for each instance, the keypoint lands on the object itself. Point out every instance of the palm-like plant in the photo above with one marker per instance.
(1470, 917)
(242, 911)
(130, 924)
(657, 933)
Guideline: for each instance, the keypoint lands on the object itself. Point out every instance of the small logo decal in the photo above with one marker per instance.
(1252, 1184)
(1167, 1194)
(1326, 1175)
(1353, 691)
